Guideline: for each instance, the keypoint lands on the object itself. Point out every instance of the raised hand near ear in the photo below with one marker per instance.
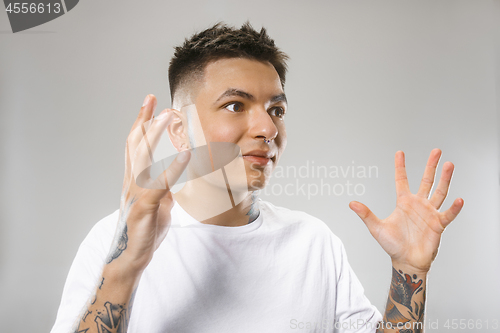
(143, 223)
(145, 203)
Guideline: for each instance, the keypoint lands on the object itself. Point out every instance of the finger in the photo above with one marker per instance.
(168, 178)
(145, 115)
(365, 214)
(429, 174)
(143, 158)
(147, 110)
(452, 212)
(402, 186)
(441, 191)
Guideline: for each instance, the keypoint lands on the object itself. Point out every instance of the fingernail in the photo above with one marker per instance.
(183, 156)
(146, 101)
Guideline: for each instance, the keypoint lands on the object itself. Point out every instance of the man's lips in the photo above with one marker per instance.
(259, 157)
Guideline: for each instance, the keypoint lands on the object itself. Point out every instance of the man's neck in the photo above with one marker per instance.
(213, 205)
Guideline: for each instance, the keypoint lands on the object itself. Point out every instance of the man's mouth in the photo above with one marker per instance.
(259, 157)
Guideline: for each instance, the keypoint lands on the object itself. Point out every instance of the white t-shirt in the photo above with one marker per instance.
(284, 272)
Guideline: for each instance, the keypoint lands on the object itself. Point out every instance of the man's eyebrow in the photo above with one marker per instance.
(279, 98)
(231, 92)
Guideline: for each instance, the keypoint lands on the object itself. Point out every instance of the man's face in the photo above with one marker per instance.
(241, 101)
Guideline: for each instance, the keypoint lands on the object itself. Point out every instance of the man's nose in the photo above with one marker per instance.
(262, 125)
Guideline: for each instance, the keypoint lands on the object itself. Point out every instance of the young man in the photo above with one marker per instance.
(218, 259)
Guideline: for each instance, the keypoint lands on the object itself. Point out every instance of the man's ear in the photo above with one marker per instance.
(178, 130)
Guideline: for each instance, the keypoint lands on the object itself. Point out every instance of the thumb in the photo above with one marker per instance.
(365, 214)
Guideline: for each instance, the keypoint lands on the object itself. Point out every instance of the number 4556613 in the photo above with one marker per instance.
(463, 324)
(32, 7)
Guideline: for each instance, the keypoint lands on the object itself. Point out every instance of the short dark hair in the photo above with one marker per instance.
(219, 42)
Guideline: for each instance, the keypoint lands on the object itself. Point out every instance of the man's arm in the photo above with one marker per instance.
(411, 236)
(142, 226)
(110, 307)
(405, 307)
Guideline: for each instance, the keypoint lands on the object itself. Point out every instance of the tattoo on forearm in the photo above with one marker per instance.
(114, 318)
(402, 289)
(102, 282)
(86, 315)
(406, 302)
(120, 247)
(120, 243)
(393, 315)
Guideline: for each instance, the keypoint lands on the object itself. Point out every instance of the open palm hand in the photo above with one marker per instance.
(411, 234)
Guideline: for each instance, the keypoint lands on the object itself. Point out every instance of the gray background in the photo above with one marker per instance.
(367, 78)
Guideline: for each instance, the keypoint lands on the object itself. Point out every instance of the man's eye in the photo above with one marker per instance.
(278, 112)
(234, 107)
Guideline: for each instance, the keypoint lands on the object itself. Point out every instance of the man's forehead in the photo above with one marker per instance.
(232, 66)
(233, 77)
(245, 78)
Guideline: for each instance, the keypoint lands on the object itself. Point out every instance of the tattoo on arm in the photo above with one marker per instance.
(120, 243)
(120, 247)
(402, 289)
(102, 282)
(114, 318)
(406, 303)
(86, 315)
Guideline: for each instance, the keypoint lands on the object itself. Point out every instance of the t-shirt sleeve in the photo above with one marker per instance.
(354, 312)
(84, 274)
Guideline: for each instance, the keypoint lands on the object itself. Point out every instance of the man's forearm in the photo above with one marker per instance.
(109, 309)
(405, 308)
